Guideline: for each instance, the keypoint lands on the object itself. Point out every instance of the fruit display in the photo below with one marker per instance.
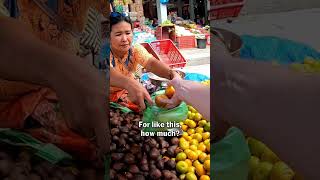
(19, 164)
(309, 65)
(265, 164)
(194, 161)
(166, 23)
(140, 157)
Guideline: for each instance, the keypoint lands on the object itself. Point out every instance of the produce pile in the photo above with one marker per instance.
(194, 162)
(140, 157)
(19, 164)
(265, 164)
(137, 157)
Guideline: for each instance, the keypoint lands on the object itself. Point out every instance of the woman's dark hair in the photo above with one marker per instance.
(116, 18)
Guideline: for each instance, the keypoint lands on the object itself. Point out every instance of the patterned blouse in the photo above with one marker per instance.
(129, 65)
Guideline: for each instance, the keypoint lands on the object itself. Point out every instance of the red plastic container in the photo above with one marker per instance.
(185, 42)
(169, 53)
(150, 50)
(225, 9)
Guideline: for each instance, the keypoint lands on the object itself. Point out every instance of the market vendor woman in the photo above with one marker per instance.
(124, 62)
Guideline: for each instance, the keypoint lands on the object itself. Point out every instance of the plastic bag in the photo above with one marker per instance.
(47, 151)
(157, 114)
(231, 156)
(268, 48)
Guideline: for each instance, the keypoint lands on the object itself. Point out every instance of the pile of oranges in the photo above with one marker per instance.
(193, 162)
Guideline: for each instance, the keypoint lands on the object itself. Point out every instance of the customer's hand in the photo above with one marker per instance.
(179, 94)
(83, 96)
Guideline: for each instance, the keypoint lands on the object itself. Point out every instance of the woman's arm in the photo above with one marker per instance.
(136, 91)
(160, 69)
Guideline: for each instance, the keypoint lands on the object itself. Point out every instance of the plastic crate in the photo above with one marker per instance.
(225, 9)
(162, 32)
(150, 50)
(185, 42)
(169, 53)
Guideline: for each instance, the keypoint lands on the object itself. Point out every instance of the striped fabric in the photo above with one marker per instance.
(91, 38)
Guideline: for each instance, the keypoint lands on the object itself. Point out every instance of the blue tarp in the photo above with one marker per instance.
(268, 48)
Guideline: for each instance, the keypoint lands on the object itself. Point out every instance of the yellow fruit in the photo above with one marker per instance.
(200, 170)
(206, 165)
(207, 141)
(189, 162)
(191, 176)
(173, 159)
(189, 113)
(181, 156)
(170, 91)
(192, 109)
(194, 142)
(204, 177)
(202, 123)
(206, 135)
(191, 117)
(187, 121)
(184, 145)
(159, 100)
(191, 169)
(182, 167)
(197, 117)
(181, 123)
(199, 130)
(191, 124)
(184, 135)
(188, 138)
(256, 147)
(184, 127)
(192, 155)
(253, 164)
(198, 152)
(208, 157)
(187, 151)
(197, 136)
(202, 147)
(195, 163)
(269, 156)
(182, 177)
(202, 157)
(263, 171)
(281, 171)
(206, 127)
(193, 147)
(191, 131)
(208, 147)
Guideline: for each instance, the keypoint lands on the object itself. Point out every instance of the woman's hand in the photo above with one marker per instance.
(137, 94)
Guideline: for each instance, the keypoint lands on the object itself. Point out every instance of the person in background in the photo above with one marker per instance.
(155, 22)
(125, 60)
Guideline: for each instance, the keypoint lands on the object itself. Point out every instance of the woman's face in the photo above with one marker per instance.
(121, 37)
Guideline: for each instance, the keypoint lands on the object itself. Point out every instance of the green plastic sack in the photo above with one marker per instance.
(161, 115)
(47, 151)
(118, 106)
(230, 157)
